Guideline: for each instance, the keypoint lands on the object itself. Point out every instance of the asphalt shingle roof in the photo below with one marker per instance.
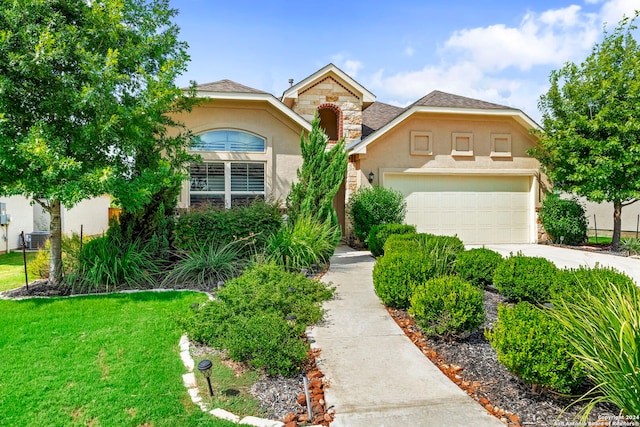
(448, 100)
(227, 86)
(377, 115)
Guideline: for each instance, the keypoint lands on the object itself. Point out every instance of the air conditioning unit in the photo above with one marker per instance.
(35, 240)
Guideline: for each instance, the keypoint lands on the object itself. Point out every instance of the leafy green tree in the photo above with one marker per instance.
(85, 92)
(320, 176)
(590, 145)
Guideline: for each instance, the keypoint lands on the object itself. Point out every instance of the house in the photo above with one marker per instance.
(23, 215)
(461, 163)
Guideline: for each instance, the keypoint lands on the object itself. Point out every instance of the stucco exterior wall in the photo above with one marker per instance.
(282, 155)
(393, 150)
(20, 213)
(91, 214)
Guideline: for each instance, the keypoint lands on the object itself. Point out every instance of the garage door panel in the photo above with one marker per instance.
(476, 209)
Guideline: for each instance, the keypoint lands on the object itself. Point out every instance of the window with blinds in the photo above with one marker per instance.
(226, 184)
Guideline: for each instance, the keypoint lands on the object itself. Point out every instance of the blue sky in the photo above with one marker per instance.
(496, 50)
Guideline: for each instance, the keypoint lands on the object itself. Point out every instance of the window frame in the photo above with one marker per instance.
(228, 193)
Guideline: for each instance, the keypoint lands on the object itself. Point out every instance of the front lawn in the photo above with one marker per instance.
(12, 270)
(98, 360)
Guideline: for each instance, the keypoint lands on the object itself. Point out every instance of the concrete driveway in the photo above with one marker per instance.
(571, 258)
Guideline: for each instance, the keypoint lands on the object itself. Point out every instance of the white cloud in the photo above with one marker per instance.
(505, 64)
(409, 51)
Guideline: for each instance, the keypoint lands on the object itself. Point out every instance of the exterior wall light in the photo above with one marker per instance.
(205, 368)
(371, 176)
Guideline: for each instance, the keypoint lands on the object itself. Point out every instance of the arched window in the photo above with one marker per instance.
(331, 121)
(229, 140)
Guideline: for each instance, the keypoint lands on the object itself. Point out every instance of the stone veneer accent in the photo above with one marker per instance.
(329, 91)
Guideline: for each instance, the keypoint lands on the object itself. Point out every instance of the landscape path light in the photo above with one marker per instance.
(205, 368)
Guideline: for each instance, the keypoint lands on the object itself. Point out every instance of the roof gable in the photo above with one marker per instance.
(230, 90)
(339, 76)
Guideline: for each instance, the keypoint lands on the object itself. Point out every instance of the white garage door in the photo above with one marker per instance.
(478, 209)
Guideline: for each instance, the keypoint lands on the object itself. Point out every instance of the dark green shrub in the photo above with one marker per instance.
(375, 205)
(254, 222)
(477, 266)
(265, 340)
(306, 243)
(249, 317)
(412, 259)
(572, 282)
(564, 218)
(395, 275)
(523, 278)
(207, 265)
(534, 346)
(447, 306)
(380, 233)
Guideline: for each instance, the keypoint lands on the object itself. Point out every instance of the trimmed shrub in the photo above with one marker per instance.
(412, 259)
(249, 318)
(395, 275)
(447, 306)
(603, 329)
(477, 266)
(380, 233)
(304, 244)
(523, 278)
(254, 222)
(375, 205)
(534, 346)
(564, 218)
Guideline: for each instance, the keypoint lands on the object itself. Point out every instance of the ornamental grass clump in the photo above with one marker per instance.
(447, 306)
(207, 265)
(306, 243)
(534, 346)
(603, 330)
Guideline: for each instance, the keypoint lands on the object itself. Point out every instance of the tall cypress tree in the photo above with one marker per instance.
(320, 176)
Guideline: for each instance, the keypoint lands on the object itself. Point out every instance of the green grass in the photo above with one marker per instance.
(99, 360)
(601, 240)
(12, 270)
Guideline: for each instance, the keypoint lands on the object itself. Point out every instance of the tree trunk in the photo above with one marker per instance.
(55, 228)
(617, 225)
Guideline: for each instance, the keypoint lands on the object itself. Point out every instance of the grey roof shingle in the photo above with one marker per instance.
(227, 86)
(448, 100)
(377, 115)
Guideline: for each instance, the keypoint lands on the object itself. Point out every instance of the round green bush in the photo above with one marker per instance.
(564, 218)
(447, 306)
(532, 345)
(395, 276)
(380, 233)
(375, 205)
(523, 278)
(477, 266)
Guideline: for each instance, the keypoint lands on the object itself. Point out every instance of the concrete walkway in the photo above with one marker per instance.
(377, 376)
(573, 258)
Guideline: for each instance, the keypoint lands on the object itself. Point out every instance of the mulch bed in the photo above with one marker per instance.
(473, 365)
